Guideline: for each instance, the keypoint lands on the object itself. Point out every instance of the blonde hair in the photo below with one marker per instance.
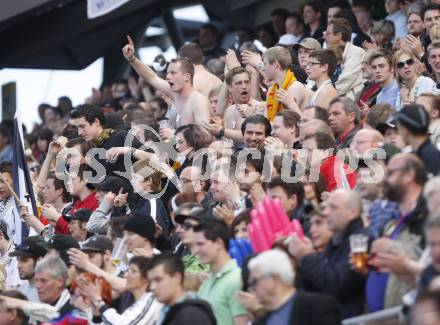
(396, 58)
(280, 54)
(214, 91)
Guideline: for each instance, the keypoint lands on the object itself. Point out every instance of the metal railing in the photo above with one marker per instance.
(387, 316)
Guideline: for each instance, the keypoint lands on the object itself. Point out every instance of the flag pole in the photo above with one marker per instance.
(11, 190)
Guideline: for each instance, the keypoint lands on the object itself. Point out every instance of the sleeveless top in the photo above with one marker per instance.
(315, 96)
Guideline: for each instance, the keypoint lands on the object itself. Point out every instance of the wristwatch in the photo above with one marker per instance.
(97, 303)
(221, 133)
(236, 204)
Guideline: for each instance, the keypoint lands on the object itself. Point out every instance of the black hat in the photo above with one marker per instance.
(97, 243)
(61, 242)
(80, 214)
(141, 224)
(29, 248)
(414, 117)
(111, 183)
(196, 213)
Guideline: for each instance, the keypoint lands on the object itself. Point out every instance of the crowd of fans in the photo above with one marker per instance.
(158, 198)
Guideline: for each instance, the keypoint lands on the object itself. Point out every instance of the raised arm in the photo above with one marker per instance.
(201, 110)
(81, 260)
(54, 148)
(145, 71)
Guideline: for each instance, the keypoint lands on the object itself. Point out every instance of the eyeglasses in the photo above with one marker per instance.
(311, 64)
(408, 62)
(187, 225)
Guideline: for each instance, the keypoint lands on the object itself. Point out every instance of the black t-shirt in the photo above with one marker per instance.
(116, 139)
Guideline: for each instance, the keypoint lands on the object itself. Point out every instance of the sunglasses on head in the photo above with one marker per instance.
(408, 62)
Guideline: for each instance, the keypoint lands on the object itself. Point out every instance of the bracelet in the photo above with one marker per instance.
(134, 58)
(132, 152)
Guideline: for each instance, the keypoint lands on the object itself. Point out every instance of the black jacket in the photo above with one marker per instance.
(430, 156)
(330, 272)
(312, 309)
(190, 311)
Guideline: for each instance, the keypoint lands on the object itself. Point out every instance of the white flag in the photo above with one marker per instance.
(97, 8)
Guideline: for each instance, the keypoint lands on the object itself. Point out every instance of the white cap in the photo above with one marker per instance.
(287, 39)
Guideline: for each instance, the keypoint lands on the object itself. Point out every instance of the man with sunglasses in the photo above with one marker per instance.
(185, 224)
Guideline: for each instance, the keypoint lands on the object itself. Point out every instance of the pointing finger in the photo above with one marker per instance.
(130, 41)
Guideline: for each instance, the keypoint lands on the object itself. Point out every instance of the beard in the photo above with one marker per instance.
(393, 193)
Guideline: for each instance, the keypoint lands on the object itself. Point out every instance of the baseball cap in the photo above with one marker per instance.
(196, 213)
(61, 242)
(414, 117)
(81, 215)
(29, 248)
(287, 39)
(97, 243)
(309, 44)
(111, 183)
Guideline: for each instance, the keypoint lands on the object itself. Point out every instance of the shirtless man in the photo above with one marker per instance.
(204, 81)
(286, 92)
(238, 82)
(190, 105)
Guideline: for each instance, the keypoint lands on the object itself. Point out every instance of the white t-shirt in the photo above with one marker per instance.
(30, 291)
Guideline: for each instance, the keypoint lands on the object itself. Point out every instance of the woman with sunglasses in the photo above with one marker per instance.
(411, 83)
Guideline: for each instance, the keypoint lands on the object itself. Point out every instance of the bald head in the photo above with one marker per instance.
(342, 207)
(312, 127)
(351, 200)
(191, 179)
(408, 163)
(366, 139)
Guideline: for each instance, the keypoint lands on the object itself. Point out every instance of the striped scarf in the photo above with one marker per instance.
(273, 105)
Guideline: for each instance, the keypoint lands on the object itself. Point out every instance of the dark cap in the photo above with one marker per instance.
(111, 184)
(29, 248)
(414, 117)
(80, 214)
(62, 242)
(97, 243)
(196, 213)
(141, 224)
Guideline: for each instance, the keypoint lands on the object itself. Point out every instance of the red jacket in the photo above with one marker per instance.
(90, 202)
(337, 174)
